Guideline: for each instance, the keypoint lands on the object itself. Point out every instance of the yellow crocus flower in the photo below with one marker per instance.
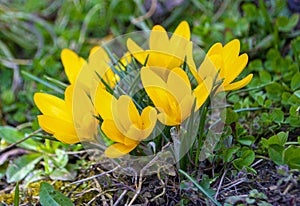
(224, 63)
(122, 122)
(174, 97)
(165, 52)
(57, 116)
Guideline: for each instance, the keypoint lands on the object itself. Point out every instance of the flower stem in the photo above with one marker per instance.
(203, 113)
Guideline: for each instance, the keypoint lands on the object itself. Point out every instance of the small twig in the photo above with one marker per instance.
(95, 176)
(20, 141)
(120, 198)
(163, 184)
(257, 162)
(233, 184)
(148, 14)
(139, 187)
(288, 188)
(221, 181)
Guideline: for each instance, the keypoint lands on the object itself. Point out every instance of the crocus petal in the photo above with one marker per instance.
(168, 120)
(202, 92)
(182, 30)
(231, 50)
(139, 54)
(112, 132)
(103, 103)
(158, 38)
(117, 150)
(51, 105)
(59, 126)
(238, 84)
(186, 107)
(72, 64)
(178, 79)
(125, 114)
(217, 48)
(233, 70)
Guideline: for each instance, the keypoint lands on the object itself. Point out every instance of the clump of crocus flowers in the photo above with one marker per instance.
(173, 85)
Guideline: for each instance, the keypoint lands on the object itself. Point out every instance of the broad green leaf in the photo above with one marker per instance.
(246, 140)
(228, 156)
(246, 159)
(274, 91)
(277, 115)
(51, 197)
(229, 116)
(12, 135)
(295, 83)
(279, 139)
(291, 157)
(21, 167)
(265, 76)
(275, 153)
(286, 24)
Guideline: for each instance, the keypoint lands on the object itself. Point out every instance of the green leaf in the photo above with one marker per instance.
(297, 93)
(16, 197)
(291, 157)
(277, 115)
(275, 153)
(279, 139)
(246, 159)
(265, 76)
(246, 140)
(229, 116)
(274, 91)
(286, 24)
(295, 82)
(12, 135)
(21, 167)
(51, 197)
(228, 156)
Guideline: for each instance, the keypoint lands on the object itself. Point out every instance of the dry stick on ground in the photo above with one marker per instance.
(163, 185)
(120, 198)
(95, 176)
(221, 182)
(140, 182)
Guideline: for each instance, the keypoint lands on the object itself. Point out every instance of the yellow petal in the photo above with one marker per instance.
(54, 126)
(103, 103)
(202, 92)
(231, 50)
(72, 64)
(149, 118)
(183, 30)
(239, 84)
(126, 114)
(216, 49)
(94, 50)
(51, 105)
(168, 120)
(186, 107)
(209, 68)
(158, 39)
(139, 54)
(233, 70)
(111, 131)
(178, 79)
(117, 150)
